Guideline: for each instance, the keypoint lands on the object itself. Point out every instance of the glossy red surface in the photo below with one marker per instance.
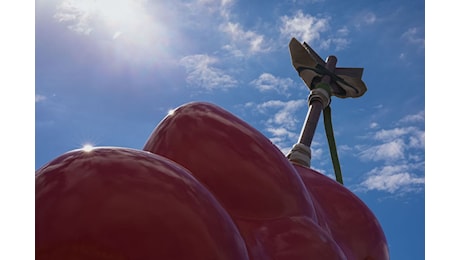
(278, 217)
(241, 167)
(119, 203)
(351, 223)
(288, 238)
(226, 192)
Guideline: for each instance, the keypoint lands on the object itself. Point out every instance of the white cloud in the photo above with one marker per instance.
(243, 42)
(402, 151)
(415, 118)
(394, 144)
(365, 18)
(393, 133)
(373, 125)
(412, 36)
(414, 41)
(338, 40)
(397, 178)
(390, 151)
(317, 153)
(414, 136)
(212, 6)
(340, 43)
(249, 104)
(77, 18)
(202, 74)
(343, 31)
(133, 31)
(281, 131)
(240, 41)
(345, 148)
(417, 140)
(303, 26)
(369, 18)
(39, 98)
(268, 82)
(283, 111)
(215, 3)
(402, 56)
(83, 16)
(281, 123)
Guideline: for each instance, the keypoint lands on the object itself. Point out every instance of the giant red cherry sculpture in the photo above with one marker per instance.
(351, 223)
(280, 214)
(226, 192)
(119, 203)
(241, 167)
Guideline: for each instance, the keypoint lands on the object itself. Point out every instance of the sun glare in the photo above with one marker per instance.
(171, 112)
(137, 27)
(87, 147)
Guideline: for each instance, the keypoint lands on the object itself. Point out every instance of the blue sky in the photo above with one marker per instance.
(107, 72)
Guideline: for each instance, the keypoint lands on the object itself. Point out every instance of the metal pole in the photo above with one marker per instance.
(315, 108)
(310, 123)
(301, 152)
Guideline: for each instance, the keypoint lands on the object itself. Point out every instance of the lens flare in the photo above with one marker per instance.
(87, 147)
(171, 112)
(133, 30)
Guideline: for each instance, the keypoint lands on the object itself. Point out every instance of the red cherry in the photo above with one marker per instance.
(351, 223)
(240, 166)
(118, 203)
(288, 238)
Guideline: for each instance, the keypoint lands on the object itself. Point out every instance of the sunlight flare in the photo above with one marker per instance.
(87, 148)
(135, 29)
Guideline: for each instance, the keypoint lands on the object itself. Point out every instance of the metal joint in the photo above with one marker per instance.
(321, 95)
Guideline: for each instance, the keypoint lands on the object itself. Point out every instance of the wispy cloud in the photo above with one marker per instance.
(243, 42)
(369, 18)
(415, 118)
(373, 125)
(401, 149)
(389, 151)
(391, 134)
(283, 112)
(133, 31)
(240, 41)
(415, 136)
(396, 143)
(394, 178)
(84, 16)
(339, 39)
(281, 121)
(303, 26)
(339, 43)
(77, 17)
(413, 39)
(39, 98)
(365, 19)
(281, 132)
(222, 7)
(268, 82)
(308, 28)
(413, 36)
(202, 74)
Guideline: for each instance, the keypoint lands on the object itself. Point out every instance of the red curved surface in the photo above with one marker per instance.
(351, 223)
(209, 187)
(117, 203)
(239, 165)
